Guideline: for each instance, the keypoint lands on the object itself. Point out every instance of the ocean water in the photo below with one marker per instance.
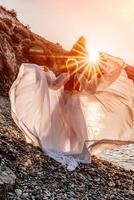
(122, 156)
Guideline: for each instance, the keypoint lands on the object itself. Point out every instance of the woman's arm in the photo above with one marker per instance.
(111, 68)
(57, 82)
(88, 85)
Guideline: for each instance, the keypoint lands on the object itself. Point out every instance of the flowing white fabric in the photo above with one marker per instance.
(66, 124)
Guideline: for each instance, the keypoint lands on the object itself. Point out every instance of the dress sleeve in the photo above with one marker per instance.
(109, 75)
(88, 85)
(95, 84)
(56, 82)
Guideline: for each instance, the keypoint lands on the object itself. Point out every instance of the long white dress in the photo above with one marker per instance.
(67, 125)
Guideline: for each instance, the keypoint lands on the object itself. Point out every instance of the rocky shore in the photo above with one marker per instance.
(26, 173)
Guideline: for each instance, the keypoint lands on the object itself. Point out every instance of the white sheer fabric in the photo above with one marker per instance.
(66, 124)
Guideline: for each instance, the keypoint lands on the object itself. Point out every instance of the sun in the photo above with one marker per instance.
(93, 56)
(84, 62)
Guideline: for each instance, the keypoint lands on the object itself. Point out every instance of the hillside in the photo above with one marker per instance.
(19, 44)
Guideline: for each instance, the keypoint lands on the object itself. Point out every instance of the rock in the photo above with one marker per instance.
(18, 44)
(131, 192)
(111, 184)
(7, 181)
(18, 192)
(25, 195)
(40, 177)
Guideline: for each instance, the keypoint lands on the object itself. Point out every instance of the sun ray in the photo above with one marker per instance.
(82, 74)
(82, 63)
(82, 66)
(83, 48)
(80, 52)
(90, 68)
(89, 71)
(78, 62)
(102, 68)
(85, 63)
(96, 72)
(98, 69)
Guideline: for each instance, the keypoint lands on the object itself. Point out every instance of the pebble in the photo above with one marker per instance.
(38, 177)
(18, 192)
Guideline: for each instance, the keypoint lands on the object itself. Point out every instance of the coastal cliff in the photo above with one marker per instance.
(18, 44)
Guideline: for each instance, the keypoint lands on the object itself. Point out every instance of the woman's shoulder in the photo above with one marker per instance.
(36, 69)
(30, 65)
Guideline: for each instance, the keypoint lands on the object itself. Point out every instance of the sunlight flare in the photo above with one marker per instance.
(94, 55)
(85, 63)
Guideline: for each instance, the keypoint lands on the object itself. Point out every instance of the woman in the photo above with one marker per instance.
(41, 110)
(67, 123)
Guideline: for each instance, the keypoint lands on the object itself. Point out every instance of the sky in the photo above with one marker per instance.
(108, 25)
